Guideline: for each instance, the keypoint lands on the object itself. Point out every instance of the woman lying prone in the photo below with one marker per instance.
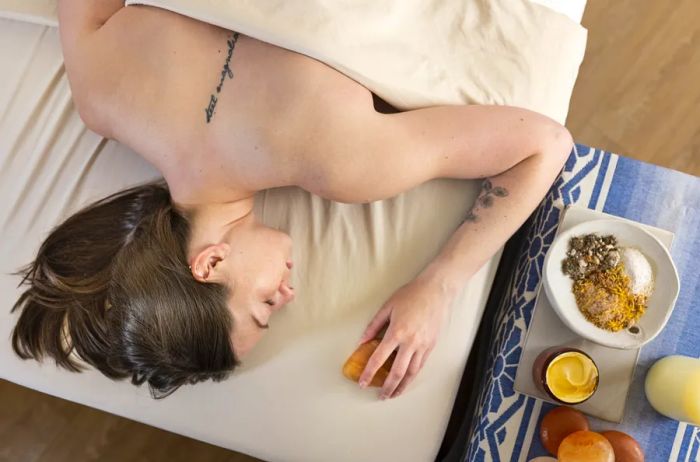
(174, 283)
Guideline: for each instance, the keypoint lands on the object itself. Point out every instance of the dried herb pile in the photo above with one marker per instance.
(601, 286)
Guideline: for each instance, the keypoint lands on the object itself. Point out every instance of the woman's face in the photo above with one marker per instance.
(258, 271)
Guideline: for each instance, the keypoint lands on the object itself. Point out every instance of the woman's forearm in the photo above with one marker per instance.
(504, 203)
(416, 312)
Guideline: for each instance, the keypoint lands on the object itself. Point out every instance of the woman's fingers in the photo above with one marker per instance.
(398, 371)
(425, 356)
(413, 368)
(376, 324)
(379, 357)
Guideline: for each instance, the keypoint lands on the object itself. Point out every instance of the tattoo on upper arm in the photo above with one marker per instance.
(485, 199)
(225, 72)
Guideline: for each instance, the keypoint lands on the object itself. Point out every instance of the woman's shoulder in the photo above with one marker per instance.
(169, 86)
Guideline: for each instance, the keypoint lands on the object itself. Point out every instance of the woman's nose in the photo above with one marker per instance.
(287, 293)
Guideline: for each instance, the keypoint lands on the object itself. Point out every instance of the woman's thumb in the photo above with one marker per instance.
(375, 324)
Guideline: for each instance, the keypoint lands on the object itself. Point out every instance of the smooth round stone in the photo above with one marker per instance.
(559, 423)
(585, 446)
(626, 448)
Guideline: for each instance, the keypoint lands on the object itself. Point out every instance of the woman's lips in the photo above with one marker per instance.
(286, 293)
(285, 290)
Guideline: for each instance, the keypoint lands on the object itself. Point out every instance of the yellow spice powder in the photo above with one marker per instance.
(605, 299)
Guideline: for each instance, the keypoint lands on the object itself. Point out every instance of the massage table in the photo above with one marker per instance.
(288, 401)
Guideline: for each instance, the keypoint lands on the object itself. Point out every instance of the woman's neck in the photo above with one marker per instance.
(212, 222)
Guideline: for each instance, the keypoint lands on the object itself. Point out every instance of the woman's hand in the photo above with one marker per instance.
(416, 314)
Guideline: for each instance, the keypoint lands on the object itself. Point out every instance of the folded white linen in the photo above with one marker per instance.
(412, 53)
(417, 53)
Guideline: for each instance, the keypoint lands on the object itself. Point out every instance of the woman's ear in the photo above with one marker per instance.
(207, 266)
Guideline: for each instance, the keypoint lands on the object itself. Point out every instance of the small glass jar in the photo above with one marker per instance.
(567, 375)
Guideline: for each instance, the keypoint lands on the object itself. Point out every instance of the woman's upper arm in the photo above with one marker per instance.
(473, 141)
(79, 17)
(84, 54)
(377, 156)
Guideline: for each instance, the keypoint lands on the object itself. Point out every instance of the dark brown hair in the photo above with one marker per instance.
(116, 274)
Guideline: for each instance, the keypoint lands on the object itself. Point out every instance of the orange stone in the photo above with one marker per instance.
(585, 446)
(559, 423)
(626, 448)
(356, 363)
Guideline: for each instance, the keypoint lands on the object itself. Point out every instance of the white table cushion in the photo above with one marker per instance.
(289, 401)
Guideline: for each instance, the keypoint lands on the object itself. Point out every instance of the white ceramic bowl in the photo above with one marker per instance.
(558, 285)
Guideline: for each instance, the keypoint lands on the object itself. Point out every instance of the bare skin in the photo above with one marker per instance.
(223, 116)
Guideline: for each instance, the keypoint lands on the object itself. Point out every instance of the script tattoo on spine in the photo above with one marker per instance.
(225, 72)
(485, 199)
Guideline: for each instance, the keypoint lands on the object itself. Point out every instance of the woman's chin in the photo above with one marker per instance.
(274, 309)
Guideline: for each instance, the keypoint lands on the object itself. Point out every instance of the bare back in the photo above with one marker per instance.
(223, 116)
(220, 115)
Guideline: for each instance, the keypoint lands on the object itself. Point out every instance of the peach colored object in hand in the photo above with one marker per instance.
(626, 448)
(355, 364)
(559, 423)
(585, 446)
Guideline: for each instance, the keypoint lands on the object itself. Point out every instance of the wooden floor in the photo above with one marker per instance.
(638, 94)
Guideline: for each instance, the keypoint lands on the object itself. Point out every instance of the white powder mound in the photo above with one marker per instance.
(639, 270)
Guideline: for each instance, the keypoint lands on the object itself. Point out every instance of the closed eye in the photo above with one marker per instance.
(269, 302)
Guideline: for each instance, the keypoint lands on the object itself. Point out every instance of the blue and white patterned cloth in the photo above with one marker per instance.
(507, 422)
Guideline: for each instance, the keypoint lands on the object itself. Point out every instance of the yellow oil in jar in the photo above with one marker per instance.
(572, 377)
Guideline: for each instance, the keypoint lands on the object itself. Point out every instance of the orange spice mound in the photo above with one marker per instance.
(605, 299)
